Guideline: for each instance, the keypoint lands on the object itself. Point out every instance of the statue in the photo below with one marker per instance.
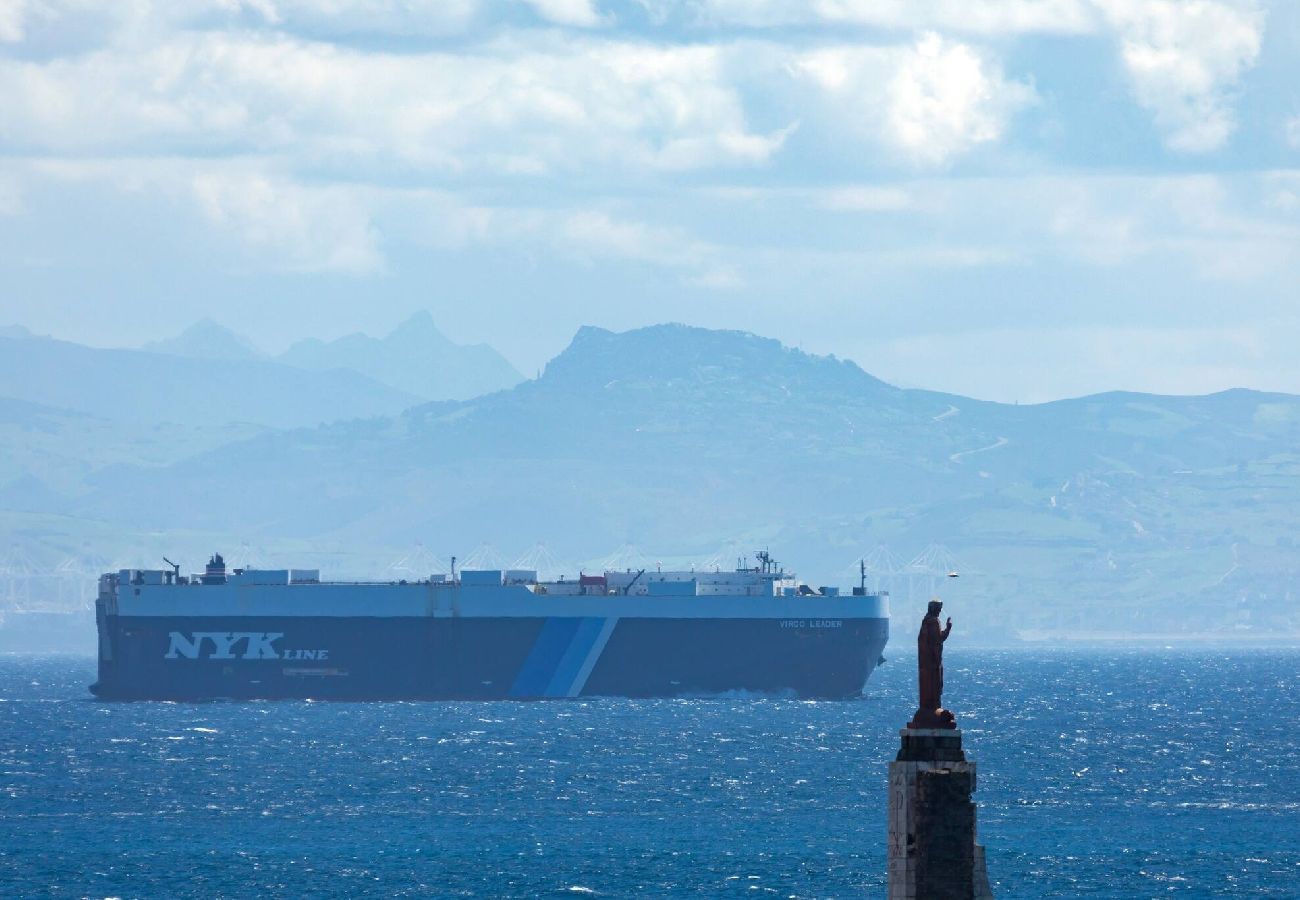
(929, 661)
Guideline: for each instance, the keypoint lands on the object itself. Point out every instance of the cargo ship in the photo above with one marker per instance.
(486, 634)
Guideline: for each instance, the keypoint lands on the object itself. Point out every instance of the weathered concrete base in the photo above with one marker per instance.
(932, 849)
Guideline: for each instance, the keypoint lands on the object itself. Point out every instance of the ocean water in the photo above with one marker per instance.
(1111, 773)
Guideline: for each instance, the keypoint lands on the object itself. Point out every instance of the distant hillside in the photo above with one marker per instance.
(48, 454)
(1119, 513)
(416, 358)
(206, 339)
(136, 386)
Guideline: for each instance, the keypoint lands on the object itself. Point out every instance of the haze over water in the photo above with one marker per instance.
(1111, 773)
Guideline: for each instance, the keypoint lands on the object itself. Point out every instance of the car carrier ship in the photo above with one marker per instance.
(482, 635)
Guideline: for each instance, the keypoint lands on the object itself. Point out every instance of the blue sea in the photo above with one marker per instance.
(1112, 773)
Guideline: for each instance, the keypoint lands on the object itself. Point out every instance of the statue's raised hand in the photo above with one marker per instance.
(950, 621)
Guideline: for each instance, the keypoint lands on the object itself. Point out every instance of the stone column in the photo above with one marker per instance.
(932, 849)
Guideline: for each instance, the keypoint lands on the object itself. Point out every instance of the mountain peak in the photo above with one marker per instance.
(415, 357)
(418, 327)
(673, 338)
(206, 339)
(674, 351)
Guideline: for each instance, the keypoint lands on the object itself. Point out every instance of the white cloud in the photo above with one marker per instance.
(407, 18)
(281, 223)
(202, 77)
(11, 197)
(1184, 57)
(86, 23)
(864, 198)
(930, 102)
(968, 16)
(589, 232)
(945, 99)
(585, 236)
(1219, 228)
(1282, 192)
(505, 108)
(720, 278)
(1216, 229)
(97, 24)
(581, 13)
(1091, 231)
(18, 17)
(298, 228)
(13, 20)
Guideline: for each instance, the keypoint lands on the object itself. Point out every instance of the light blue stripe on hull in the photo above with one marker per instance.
(562, 657)
(548, 650)
(566, 672)
(593, 655)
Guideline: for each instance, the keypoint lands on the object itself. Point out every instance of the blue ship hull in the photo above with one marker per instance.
(156, 657)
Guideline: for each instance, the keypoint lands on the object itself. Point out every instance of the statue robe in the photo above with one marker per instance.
(929, 660)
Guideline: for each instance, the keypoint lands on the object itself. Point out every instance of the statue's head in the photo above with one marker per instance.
(935, 606)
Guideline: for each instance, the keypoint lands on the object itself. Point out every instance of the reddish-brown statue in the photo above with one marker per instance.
(929, 660)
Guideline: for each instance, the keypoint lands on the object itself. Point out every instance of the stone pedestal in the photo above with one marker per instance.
(932, 849)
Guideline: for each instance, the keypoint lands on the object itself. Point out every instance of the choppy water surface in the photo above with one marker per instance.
(1112, 773)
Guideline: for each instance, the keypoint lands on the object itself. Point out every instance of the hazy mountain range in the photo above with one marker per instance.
(67, 410)
(1113, 514)
(205, 339)
(415, 358)
(134, 386)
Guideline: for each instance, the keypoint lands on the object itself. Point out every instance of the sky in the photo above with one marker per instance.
(1017, 200)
